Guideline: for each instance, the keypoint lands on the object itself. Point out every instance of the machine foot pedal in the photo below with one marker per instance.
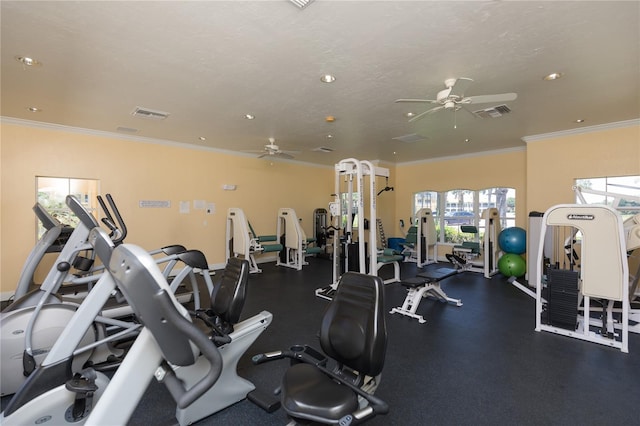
(264, 400)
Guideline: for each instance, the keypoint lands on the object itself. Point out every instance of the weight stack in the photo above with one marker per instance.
(562, 298)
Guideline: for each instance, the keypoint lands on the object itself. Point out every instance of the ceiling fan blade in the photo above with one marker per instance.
(485, 99)
(460, 86)
(427, 112)
(290, 152)
(430, 101)
(264, 154)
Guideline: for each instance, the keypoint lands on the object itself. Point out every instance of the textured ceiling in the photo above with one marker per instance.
(208, 63)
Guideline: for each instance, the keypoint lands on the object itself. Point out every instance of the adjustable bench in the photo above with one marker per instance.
(425, 284)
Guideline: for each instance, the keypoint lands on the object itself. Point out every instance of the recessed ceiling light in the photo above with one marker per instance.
(552, 76)
(467, 140)
(30, 62)
(410, 114)
(249, 116)
(580, 120)
(202, 138)
(327, 78)
(329, 136)
(34, 109)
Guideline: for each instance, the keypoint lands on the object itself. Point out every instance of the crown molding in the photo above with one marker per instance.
(582, 130)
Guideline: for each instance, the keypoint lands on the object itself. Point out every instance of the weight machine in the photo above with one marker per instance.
(353, 252)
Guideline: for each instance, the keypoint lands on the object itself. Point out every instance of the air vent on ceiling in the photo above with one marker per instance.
(410, 138)
(323, 149)
(301, 3)
(149, 114)
(493, 112)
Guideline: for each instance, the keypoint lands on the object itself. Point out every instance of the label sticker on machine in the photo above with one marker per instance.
(576, 216)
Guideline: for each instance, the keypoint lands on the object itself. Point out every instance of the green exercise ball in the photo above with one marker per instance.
(512, 265)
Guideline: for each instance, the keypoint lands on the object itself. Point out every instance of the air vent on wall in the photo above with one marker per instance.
(493, 112)
(323, 149)
(149, 114)
(410, 138)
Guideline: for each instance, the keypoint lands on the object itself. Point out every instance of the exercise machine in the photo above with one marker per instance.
(53, 393)
(425, 285)
(321, 232)
(242, 241)
(337, 385)
(32, 323)
(480, 257)
(221, 322)
(169, 347)
(296, 244)
(351, 250)
(602, 277)
(421, 242)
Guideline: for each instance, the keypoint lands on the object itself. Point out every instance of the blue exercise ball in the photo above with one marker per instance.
(513, 240)
(512, 265)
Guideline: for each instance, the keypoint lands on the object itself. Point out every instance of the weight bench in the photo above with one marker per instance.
(425, 284)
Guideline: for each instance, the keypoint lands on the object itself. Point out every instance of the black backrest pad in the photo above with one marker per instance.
(228, 299)
(353, 329)
(140, 280)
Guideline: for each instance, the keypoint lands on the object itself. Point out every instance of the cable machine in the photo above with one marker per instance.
(349, 180)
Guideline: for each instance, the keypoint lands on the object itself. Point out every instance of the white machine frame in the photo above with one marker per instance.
(425, 234)
(604, 270)
(241, 241)
(351, 169)
(485, 262)
(296, 244)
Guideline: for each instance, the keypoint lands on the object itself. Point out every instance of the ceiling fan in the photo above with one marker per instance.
(272, 150)
(452, 98)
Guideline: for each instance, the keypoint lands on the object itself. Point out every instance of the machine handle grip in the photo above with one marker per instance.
(269, 356)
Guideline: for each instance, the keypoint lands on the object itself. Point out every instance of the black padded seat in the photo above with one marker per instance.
(353, 333)
(310, 395)
(227, 298)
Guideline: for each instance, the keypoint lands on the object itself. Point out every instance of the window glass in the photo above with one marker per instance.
(459, 207)
(52, 191)
(620, 192)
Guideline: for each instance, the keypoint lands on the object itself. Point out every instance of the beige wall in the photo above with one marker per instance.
(134, 171)
(553, 163)
(497, 169)
(542, 175)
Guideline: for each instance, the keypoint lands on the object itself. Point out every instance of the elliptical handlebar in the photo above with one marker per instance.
(117, 225)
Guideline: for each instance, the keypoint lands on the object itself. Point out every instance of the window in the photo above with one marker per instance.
(458, 207)
(52, 191)
(621, 192)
